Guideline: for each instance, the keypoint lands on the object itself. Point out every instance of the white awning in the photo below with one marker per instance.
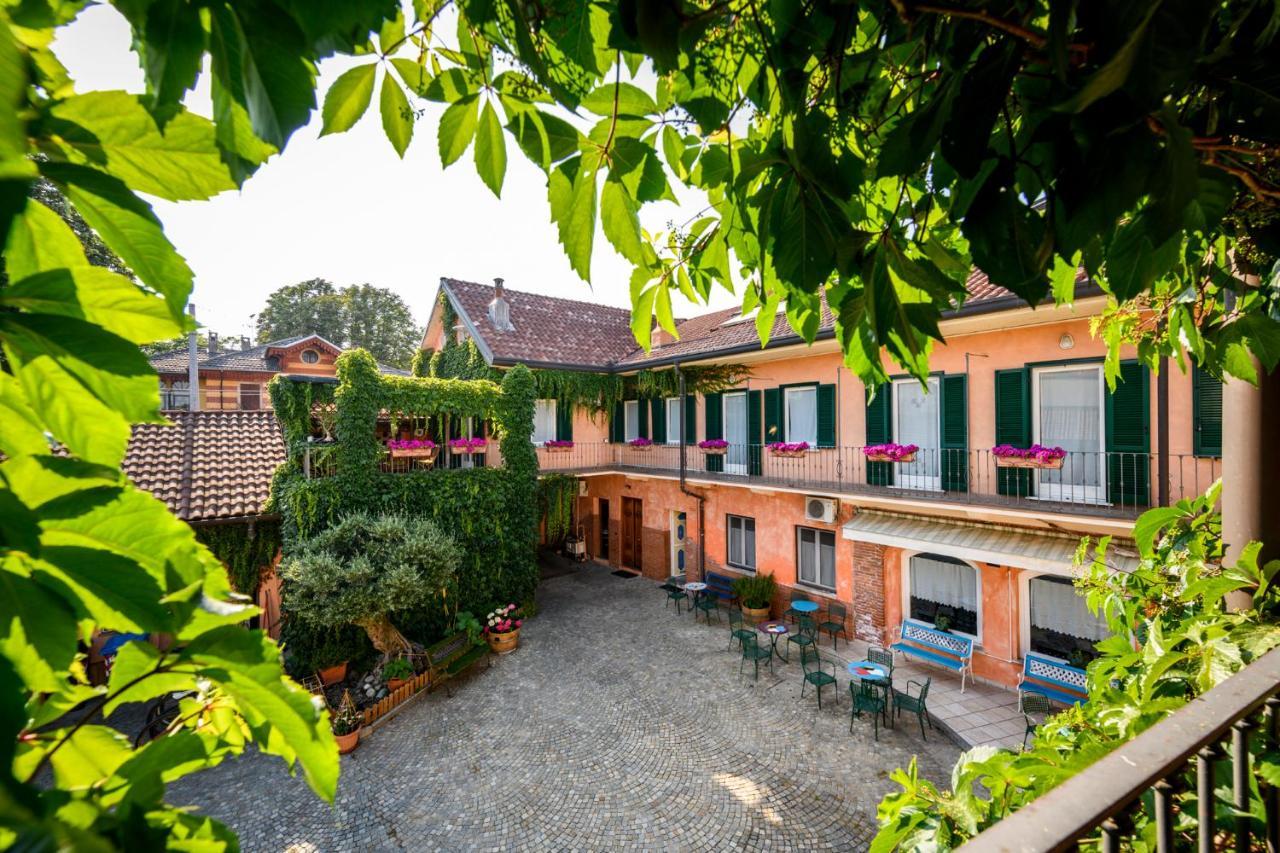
(1001, 546)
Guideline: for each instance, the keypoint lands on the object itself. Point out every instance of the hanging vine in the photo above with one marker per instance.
(245, 549)
(556, 494)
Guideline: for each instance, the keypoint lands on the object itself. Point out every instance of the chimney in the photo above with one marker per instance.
(193, 366)
(213, 343)
(244, 342)
(660, 337)
(500, 309)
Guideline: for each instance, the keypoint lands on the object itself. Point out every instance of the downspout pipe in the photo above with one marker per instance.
(684, 487)
(193, 366)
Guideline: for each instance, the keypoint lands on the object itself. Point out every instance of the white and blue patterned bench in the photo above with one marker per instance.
(1053, 678)
(922, 640)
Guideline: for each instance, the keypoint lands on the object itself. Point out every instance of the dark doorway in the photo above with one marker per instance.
(603, 521)
(632, 528)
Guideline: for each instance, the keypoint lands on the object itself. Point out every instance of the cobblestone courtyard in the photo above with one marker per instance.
(617, 724)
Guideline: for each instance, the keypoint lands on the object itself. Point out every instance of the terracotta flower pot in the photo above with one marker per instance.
(503, 644)
(1020, 462)
(884, 457)
(414, 453)
(755, 615)
(394, 684)
(347, 743)
(333, 674)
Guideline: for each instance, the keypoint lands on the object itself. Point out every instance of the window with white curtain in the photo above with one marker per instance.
(631, 419)
(1061, 624)
(742, 542)
(544, 421)
(947, 588)
(673, 420)
(802, 415)
(816, 557)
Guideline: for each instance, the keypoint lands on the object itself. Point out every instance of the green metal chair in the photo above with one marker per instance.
(736, 629)
(812, 664)
(792, 613)
(805, 636)
(707, 604)
(675, 593)
(866, 696)
(904, 701)
(884, 657)
(1032, 703)
(751, 651)
(834, 623)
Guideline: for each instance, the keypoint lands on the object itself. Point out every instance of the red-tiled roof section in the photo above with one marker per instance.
(548, 329)
(208, 465)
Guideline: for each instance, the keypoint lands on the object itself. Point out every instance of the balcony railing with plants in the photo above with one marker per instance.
(1091, 482)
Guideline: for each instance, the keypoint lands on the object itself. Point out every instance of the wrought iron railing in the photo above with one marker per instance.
(1096, 483)
(1194, 776)
(320, 461)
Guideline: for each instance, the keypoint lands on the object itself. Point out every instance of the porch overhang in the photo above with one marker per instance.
(1001, 546)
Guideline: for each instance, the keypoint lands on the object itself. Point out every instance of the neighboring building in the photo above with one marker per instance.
(950, 534)
(235, 378)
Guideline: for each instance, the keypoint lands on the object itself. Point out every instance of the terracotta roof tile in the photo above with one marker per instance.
(208, 465)
(244, 360)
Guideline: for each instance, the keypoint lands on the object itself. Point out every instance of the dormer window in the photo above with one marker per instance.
(310, 356)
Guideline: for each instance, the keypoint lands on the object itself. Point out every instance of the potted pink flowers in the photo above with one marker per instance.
(413, 448)
(468, 445)
(502, 629)
(558, 446)
(891, 452)
(1035, 456)
(640, 444)
(714, 446)
(791, 449)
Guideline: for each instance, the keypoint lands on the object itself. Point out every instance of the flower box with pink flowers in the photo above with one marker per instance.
(789, 449)
(891, 452)
(640, 444)
(714, 446)
(502, 629)
(558, 446)
(1035, 456)
(468, 445)
(412, 448)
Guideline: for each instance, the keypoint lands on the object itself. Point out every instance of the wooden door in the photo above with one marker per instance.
(632, 527)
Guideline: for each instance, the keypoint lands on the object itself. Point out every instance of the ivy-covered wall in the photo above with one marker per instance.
(245, 549)
(492, 511)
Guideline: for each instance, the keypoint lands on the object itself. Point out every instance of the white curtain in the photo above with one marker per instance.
(802, 415)
(1071, 418)
(1056, 606)
(632, 418)
(946, 583)
(544, 421)
(673, 420)
(916, 413)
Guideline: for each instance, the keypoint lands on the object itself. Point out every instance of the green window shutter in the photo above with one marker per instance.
(659, 408)
(755, 433)
(1206, 405)
(617, 424)
(564, 421)
(1013, 426)
(954, 432)
(642, 414)
(772, 415)
(714, 415)
(690, 419)
(826, 416)
(880, 431)
(1128, 437)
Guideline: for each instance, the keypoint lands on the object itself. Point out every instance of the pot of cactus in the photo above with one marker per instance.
(468, 445)
(1035, 456)
(793, 449)
(558, 446)
(644, 444)
(347, 722)
(714, 446)
(755, 596)
(412, 448)
(891, 452)
(502, 629)
(396, 673)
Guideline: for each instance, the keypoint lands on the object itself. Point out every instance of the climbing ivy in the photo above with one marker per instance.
(556, 493)
(244, 549)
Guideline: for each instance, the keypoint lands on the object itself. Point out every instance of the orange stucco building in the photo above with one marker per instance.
(949, 538)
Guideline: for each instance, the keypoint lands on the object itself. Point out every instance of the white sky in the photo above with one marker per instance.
(347, 209)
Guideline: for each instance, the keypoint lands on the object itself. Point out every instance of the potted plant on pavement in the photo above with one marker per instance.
(347, 722)
(396, 673)
(755, 594)
(502, 629)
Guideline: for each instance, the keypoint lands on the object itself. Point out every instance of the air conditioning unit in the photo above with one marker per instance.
(820, 509)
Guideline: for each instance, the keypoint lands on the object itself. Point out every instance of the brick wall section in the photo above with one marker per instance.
(868, 591)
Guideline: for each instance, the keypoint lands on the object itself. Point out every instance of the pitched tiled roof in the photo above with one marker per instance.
(548, 329)
(253, 359)
(208, 465)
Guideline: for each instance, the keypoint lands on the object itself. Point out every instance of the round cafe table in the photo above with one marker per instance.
(695, 589)
(877, 674)
(774, 629)
(804, 606)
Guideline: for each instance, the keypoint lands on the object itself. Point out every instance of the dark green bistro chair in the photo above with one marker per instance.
(884, 657)
(737, 631)
(866, 696)
(675, 593)
(834, 623)
(706, 604)
(1033, 703)
(904, 701)
(814, 673)
(805, 636)
(752, 651)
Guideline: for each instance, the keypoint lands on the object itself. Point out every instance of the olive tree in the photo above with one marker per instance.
(366, 568)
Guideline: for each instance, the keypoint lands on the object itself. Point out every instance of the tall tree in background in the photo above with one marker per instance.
(358, 315)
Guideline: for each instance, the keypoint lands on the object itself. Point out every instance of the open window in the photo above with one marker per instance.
(943, 588)
(544, 421)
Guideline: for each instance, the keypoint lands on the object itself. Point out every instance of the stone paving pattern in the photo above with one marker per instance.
(617, 724)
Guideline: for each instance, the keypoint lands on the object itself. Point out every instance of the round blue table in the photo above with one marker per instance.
(804, 606)
(877, 674)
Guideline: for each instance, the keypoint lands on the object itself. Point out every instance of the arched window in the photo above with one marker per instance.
(310, 356)
(1061, 624)
(943, 588)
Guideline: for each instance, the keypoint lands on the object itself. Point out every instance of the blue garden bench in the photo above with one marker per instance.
(941, 647)
(721, 586)
(1052, 678)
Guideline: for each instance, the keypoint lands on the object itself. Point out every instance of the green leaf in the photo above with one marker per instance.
(348, 98)
(235, 133)
(135, 676)
(128, 226)
(457, 126)
(397, 118)
(623, 98)
(40, 240)
(1115, 73)
(571, 189)
(391, 34)
(16, 169)
(620, 219)
(111, 589)
(172, 47)
(414, 75)
(1063, 279)
(90, 755)
(23, 432)
(491, 150)
(38, 630)
(115, 132)
(98, 295)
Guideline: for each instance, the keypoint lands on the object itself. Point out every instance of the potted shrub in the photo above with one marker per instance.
(640, 444)
(942, 622)
(396, 673)
(714, 446)
(789, 449)
(755, 595)
(502, 629)
(1035, 456)
(891, 452)
(347, 722)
